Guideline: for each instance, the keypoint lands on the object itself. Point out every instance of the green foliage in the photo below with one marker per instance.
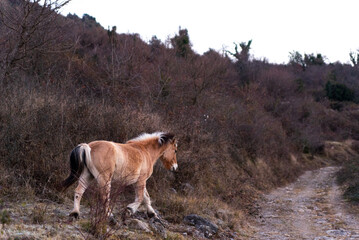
(181, 43)
(332, 76)
(311, 59)
(242, 64)
(245, 50)
(174, 236)
(349, 177)
(5, 217)
(38, 215)
(243, 55)
(111, 33)
(295, 58)
(314, 60)
(352, 193)
(154, 42)
(90, 21)
(300, 85)
(98, 229)
(87, 17)
(338, 92)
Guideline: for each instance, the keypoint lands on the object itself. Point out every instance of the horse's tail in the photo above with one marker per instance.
(78, 158)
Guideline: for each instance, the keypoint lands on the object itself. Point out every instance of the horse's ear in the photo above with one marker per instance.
(165, 138)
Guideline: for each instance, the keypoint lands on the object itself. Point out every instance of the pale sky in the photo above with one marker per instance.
(277, 27)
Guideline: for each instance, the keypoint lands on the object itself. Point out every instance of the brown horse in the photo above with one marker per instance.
(130, 163)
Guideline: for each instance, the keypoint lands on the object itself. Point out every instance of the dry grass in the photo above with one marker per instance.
(238, 131)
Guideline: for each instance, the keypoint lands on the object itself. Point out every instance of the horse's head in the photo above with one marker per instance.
(168, 157)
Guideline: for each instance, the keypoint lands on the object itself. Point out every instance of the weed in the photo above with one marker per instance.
(38, 214)
(5, 217)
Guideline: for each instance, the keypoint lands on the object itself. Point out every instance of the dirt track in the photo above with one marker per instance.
(310, 208)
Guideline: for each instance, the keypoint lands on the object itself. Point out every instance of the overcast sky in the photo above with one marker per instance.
(277, 27)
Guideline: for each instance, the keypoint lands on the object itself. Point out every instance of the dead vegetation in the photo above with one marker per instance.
(242, 129)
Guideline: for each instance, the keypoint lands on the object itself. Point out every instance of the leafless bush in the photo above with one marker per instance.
(237, 130)
(29, 30)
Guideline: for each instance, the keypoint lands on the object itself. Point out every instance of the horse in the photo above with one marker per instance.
(131, 163)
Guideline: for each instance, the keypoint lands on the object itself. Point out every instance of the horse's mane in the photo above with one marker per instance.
(162, 137)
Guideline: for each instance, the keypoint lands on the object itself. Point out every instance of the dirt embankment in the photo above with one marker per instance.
(310, 208)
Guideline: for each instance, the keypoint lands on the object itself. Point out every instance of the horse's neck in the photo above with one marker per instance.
(152, 148)
(155, 151)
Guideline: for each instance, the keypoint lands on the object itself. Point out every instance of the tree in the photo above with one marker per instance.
(295, 58)
(243, 55)
(242, 64)
(354, 58)
(338, 92)
(311, 59)
(181, 43)
(112, 35)
(28, 28)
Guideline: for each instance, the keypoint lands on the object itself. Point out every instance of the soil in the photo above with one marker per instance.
(310, 208)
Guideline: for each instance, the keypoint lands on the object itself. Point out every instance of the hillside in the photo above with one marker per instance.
(244, 125)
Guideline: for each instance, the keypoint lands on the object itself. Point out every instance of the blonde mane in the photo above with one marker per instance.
(161, 137)
(146, 136)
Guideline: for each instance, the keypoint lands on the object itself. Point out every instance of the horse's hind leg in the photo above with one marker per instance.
(105, 189)
(84, 181)
(147, 201)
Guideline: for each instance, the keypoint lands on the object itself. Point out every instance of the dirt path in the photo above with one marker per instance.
(310, 208)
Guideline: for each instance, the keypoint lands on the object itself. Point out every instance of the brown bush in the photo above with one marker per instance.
(237, 130)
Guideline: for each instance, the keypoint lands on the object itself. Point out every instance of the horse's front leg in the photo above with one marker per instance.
(140, 189)
(150, 211)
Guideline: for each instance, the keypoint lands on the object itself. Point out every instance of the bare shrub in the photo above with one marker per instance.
(355, 146)
(237, 127)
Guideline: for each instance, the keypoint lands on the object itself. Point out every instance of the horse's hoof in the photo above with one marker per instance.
(112, 221)
(126, 214)
(129, 211)
(157, 219)
(151, 214)
(74, 215)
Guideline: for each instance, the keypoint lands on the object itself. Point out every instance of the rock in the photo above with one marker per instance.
(173, 190)
(208, 228)
(60, 213)
(187, 188)
(337, 232)
(158, 227)
(138, 225)
(223, 214)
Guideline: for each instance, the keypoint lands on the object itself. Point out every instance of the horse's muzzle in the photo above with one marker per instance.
(174, 167)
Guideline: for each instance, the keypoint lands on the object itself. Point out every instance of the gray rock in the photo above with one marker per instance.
(205, 226)
(138, 225)
(337, 232)
(158, 227)
(187, 188)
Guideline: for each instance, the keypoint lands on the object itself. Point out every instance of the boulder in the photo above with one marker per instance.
(158, 227)
(138, 225)
(208, 228)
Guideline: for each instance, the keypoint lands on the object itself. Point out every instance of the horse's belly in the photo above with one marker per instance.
(126, 177)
